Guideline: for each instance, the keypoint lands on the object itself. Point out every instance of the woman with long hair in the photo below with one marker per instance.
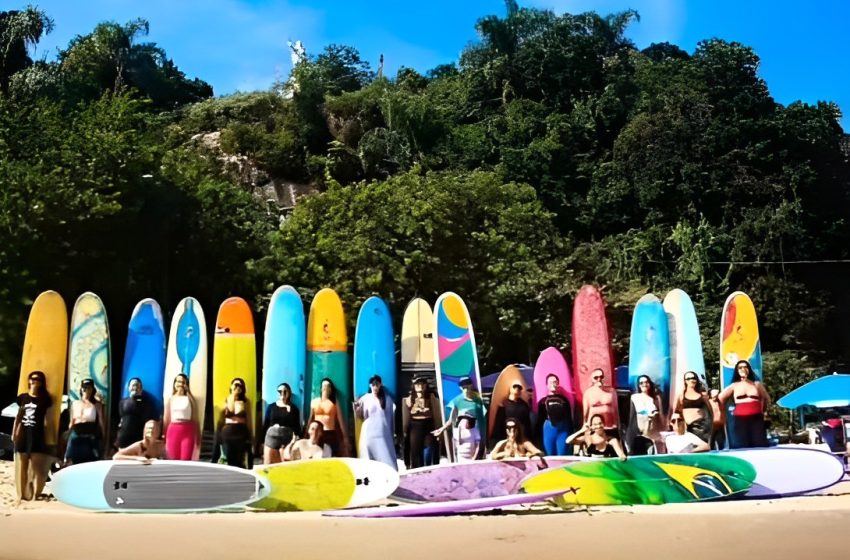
(646, 419)
(281, 423)
(326, 410)
(86, 426)
(695, 408)
(28, 435)
(420, 416)
(751, 402)
(234, 427)
(310, 447)
(182, 430)
(514, 445)
(377, 411)
(148, 448)
(595, 440)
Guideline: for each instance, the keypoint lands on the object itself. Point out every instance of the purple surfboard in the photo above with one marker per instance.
(469, 481)
(444, 508)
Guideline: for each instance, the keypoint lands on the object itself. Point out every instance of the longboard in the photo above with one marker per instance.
(234, 355)
(591, 341)
(417, 345)
(649, 346)
(739, 340)
(323, 484)
(285, 349)
(144, 355)
(456, 356)
(374, 354)
(45, 348)
(685, 343)
(327, 351)
(445, 508)
(468, 481)
(89, 353)
(158, 486)
(510, 376)
(649, 480)
(789, 470)
(187, 353)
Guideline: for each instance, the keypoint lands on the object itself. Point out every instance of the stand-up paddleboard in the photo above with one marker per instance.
(649, 346)
(468, 481)
(417, 345)
(89, 353)
(685, 342)
(187, 354)
(739, 340)
(285, 348)
(510, 376)
(234, 355)
(327, 351)
(374, 354)
(649, 480)
(591, 341)
(323, 484)
(159, 486)
(144, 355)
(789, 470)
(456, 355)
(45, 349)
(551, 360)
(445, 508)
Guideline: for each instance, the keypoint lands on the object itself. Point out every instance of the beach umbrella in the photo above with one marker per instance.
(825, 392)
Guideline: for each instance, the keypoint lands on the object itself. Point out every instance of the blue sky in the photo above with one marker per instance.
(241, 44)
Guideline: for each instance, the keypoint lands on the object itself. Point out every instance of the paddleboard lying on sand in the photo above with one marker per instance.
(468, 481)
(789, 471)
(445, 508)
(651, 480)
(158, 486)
(323, 484)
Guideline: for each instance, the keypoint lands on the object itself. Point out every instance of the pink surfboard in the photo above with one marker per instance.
(552, 361)
(591, 340)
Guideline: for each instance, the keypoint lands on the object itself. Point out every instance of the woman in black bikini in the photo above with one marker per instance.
(281, 423)
(234, 431)
(695, 408)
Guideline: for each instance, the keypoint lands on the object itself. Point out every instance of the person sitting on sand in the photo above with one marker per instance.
(595, 441)
(466, 438)
(28, 435)
(683, 441)
(150, 447)
(515, 445)
(311, 447)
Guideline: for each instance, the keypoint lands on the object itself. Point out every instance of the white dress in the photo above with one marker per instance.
(376, 432)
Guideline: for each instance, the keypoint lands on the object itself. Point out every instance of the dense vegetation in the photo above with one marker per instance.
(552, 154)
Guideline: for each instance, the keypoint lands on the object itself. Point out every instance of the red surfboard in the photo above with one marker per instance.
(591, 341)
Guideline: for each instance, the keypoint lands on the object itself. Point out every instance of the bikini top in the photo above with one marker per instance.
(692, 403)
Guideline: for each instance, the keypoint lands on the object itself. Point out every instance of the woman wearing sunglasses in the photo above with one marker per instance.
(281, 422)
(646, 419)
(751, 402)
(516, 407)
(86, 427)
(595, 441)
(695, 408)
(28, 434)
(514, 445)
(234, 431)
(683, 441)
(554, 418)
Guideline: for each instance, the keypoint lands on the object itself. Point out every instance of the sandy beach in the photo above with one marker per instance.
(788, 528)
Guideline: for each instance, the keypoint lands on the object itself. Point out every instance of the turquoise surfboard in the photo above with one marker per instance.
(685, 342)
(144, 355)
(285, 348)
(374, 348)
(649, 346)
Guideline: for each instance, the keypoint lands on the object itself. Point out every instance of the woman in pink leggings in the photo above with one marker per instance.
(182, 432)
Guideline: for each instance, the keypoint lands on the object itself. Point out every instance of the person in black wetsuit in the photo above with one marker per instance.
(134, 411)
(28, 435)
(554, 419)
(282, 420)
(516, 407)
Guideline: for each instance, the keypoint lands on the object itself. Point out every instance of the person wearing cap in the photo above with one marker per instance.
(86, 426)
(514, 445)
(466, 438)
(420, 415)
(516, 407)
(377, 411)
(468, 403)
(28, 435)
(683, 441)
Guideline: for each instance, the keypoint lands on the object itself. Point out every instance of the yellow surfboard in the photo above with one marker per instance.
(234, 355)
(46, 349)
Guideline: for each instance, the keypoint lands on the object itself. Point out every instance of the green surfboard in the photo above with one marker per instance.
(651, 480)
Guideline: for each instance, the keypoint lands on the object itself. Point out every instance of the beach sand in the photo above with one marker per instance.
(798, 527)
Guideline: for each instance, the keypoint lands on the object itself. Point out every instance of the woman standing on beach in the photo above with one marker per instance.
(646, 418)
(182, 432)
(554, 418)
(751, 402)
(281, 424)
(695, 408)
(420, 415)
(28, 435)
(326, 410)
(87, 429)
(135, 411)
(234, 427)
(377, 411)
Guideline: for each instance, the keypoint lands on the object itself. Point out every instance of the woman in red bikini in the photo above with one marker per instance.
(751, 402)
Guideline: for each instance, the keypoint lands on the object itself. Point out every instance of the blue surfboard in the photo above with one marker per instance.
(649, 346)
(374, 348)
(144, 356)
(285, 348)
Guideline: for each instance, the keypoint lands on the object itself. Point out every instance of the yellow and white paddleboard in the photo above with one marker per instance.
(45, 349)
(324, 484)
(234, 355)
